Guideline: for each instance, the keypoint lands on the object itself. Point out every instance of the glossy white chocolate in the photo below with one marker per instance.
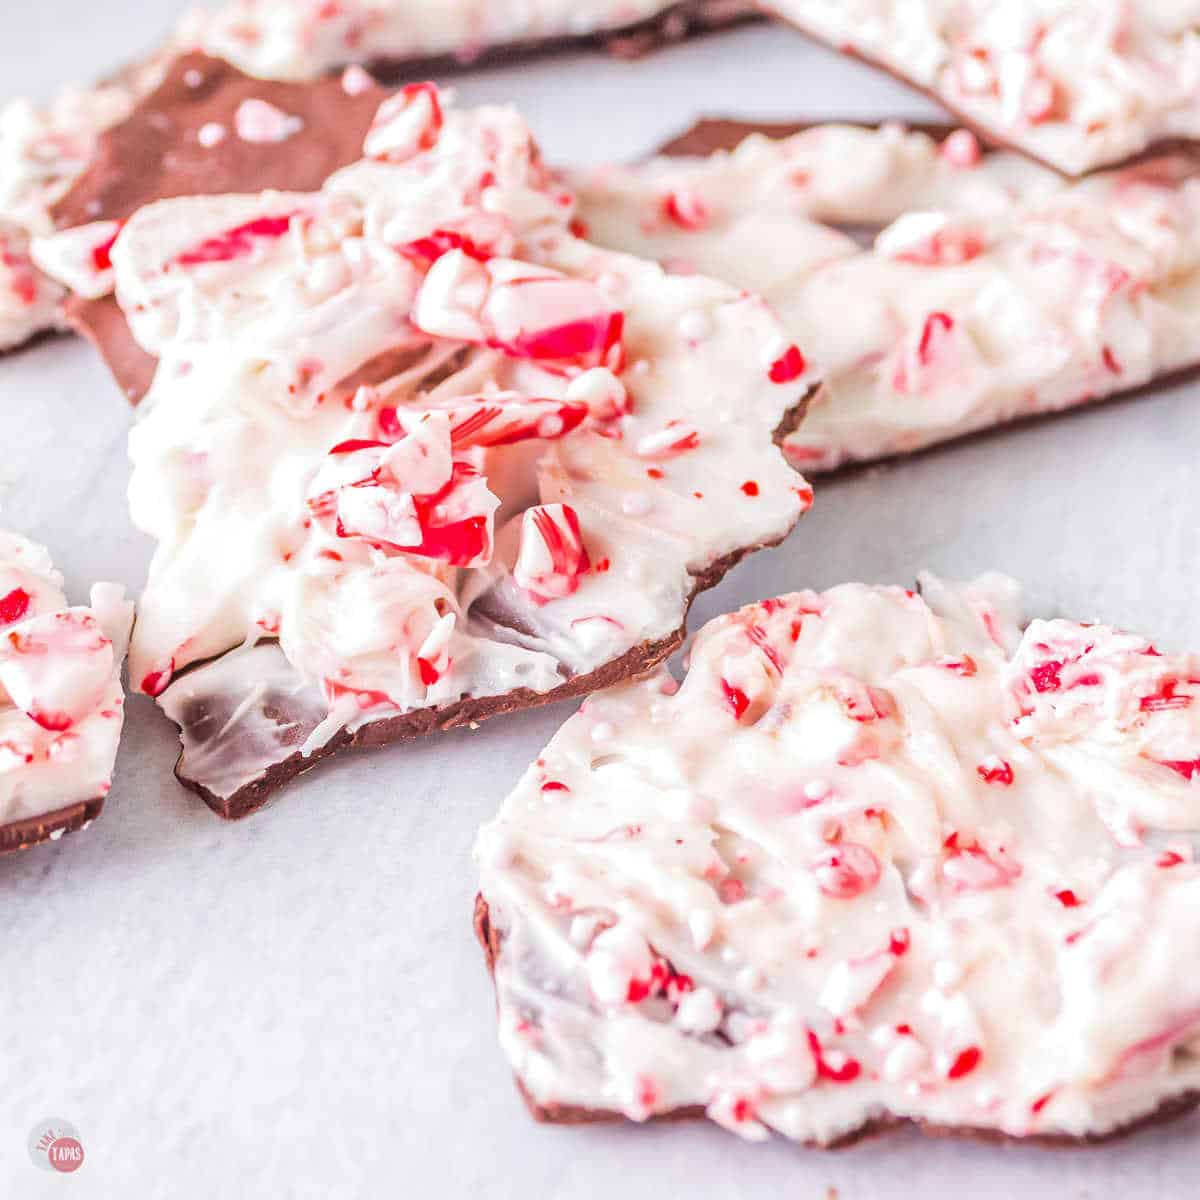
(880, 856)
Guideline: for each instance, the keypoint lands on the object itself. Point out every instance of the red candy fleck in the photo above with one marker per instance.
(679, 985)
(155, 682)
(737, 700)
(965, 1063)
(899, 942)
(846, 1073)
(1170, 858)
(947, 247)
(647, 1093)
(995, 771)
(553, 785)
(847, 871)
(750, 487)
(1188, 768)
(352, 445)
(1067, 898)
(54, 722)
(686, 209)
(1046, 677)
(936, 325)
(389, 423)
(441, 241)
(789, 366)
(236, 243)
(14, 606)
(639, 989)
(733, 891)
(102, 254)
(964, 666)
(364, 697)
(743, 1109)
(1110, 360)
(1165, 697)
(428, 672)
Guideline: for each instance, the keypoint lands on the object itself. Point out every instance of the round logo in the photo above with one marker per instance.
(54, 1145)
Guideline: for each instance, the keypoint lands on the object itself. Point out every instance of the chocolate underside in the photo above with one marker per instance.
(155, 154)
(30, 831)
(986, 133)
(491, 940)
(638, 661)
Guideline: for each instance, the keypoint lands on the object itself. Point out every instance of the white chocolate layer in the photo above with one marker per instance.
(61, 700)
(1075, 83)
(997, 291)
(881, 855)
(405, 555)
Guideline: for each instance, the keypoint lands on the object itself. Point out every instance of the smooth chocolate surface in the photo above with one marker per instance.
(155, 154)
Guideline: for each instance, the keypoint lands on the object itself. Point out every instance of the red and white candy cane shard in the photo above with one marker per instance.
(407, 124)
(525, 311)
(411, 495)
(238, 242)
(56, 666)
(552, 557)
(80, 257)
(61, 702)
(871, 866)
(505, 418)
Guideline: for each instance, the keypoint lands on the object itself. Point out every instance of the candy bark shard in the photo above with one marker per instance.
(61, 700)
(1074, 84)
(43, 150)
(990, 289)
(392, 452)
(877, 931)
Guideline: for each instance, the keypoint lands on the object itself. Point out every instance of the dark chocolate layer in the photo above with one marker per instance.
(155, 154)
(30, 831)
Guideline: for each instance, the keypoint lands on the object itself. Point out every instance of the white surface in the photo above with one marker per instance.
(295, 1005)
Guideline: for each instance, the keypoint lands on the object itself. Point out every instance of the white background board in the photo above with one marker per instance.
(294, 1005)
